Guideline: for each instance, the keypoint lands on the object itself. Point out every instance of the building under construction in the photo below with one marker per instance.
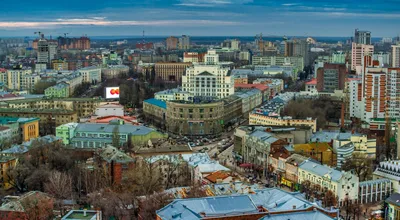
(81, 43)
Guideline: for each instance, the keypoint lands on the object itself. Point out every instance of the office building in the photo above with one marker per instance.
(59, 65)
(358, 53)
(256, 118)
(184, 42)
(209, 79)
(393, 92)
(171, 72)
(396, 55)
(331, 77)
(172, 43)
(362, 37)
(303, 48)
(172, 94)
(109, 109)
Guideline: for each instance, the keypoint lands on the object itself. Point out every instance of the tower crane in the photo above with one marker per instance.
(39, 33)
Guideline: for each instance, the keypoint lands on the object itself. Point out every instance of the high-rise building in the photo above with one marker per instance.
(184, 42)
(303, 48)
(43, 51)
(82, 43)
(172, 43)
(358, 53)
(396, 55)
(362, 37)
(289, 48)
(356, 104)
(208, 79)
(393, 92)
(383, 58)
(375, 92)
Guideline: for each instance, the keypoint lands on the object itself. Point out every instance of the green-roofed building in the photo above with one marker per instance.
(61, 90)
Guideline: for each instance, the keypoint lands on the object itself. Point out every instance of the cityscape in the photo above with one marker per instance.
(203, 116)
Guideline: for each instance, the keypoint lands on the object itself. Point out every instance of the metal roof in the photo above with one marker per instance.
(394, 199)
(321, 170)
(306, 215)
(156, 102)
(107, 128)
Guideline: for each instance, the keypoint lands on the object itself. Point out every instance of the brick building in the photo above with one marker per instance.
(116, 162)
(331, 77)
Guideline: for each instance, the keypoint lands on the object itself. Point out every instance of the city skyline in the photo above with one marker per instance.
(200, 18)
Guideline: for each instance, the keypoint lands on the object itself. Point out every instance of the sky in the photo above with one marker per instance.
(336, 18)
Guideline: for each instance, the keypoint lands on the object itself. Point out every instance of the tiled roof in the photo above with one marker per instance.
(218, 175)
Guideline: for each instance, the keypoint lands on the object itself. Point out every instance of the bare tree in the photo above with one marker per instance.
(38, 206)
(144, 179)
(148, 205)
(329, 199)
(59, 185)
(306, 188)
(361, 164)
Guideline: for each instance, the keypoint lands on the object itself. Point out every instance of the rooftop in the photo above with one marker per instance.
(80, 215)
(312, 82)
(111, 153)
(394, 199)
(36, 111)
(107, 128)
(321, 170)
(25, 146)
(260, 87)
(328, 136)
(306, 215)
(218, 175)
(10, 120)
(156, 102)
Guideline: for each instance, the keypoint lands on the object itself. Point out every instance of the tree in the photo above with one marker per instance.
(151, 203)
(38, 206)
(144, 179)
(59, 185)
(82, 88)
(119, 205)
(306, 188)
(329, 199)
(43, 85)
(360, 164)
(115, 137)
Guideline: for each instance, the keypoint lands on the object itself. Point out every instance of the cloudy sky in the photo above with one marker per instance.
(200, 17)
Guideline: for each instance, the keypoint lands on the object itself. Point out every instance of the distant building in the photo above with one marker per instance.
(358, 53)
(362, 37)
(59, 65)
(172, 43)
(184, 42)
(241, 79)
(297, 62)
(114, 71)
(396, 55)
(171, 72)
(193, 57)
(383, 58)
(109, 109)
(260, 119)
(91, 74)
(66, 43)
(61, 90)
(339, 57)
(356, 105)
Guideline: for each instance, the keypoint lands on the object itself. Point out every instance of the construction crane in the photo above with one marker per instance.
(38, 33)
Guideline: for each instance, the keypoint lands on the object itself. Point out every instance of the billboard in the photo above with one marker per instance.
(112, 92)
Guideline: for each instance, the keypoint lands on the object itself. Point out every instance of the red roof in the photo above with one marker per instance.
(107, 119)
(218, 175)
(260, 87)
(312, 82)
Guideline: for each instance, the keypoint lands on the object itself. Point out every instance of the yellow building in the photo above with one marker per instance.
(15, 77)
(59, 65)
(259, 119)
(321, 152)
(26, 128)
(6, 162)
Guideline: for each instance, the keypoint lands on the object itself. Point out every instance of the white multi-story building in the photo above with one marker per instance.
(110, 109)
(343, 184)
(374, 93)
(209, 79)
(184, 42)
(91, 74)
(396, 55)
(393, 92)
(172, 94)
(297, 62)
(355, 98)
(358, 52)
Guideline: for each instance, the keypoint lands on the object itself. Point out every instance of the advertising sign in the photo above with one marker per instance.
(112, 92)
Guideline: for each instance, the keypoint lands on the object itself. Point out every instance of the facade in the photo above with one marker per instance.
(393, 92)
(171, 72)
(311, 86)
(114, 71)
(66, 131)
(339, 57)
(383, 58)
(5, 133)
(60, 90)
(297, 62)
(14, 78)
(7, 163)
(184, 42)
(109, 109)
(155, 110)
(393, 209)
(73, 80)
(100, 135)
(362, 37)
(83, 107)
(291, 177)
(59, 65)
(173, 94)
(358, 52)
(116, 163)
(208, 81)
(241, 79)
(195, 119)
(81, 43)
(49, 118)
(260, 119)
(250, 99)
(28, 127)
(331, 77)
(265, 91)
(321, 152)
(193, 57)
(172, 43)
(389, 170)
(344, 185)
(396, 55)
(375, 93)
(356, 105)
(91, 74)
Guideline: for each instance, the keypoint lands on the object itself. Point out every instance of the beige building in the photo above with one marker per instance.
(343, 184)
(171, 72)
(15, 78)
(259, 119)
(172, 43)
(113, 71)
(358, 53)
(82, 106)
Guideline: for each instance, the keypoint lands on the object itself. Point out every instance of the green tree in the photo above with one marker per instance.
(115, 137)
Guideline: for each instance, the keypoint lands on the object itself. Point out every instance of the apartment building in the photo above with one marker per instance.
(91, 74)
(297, 62)
(358, 53)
